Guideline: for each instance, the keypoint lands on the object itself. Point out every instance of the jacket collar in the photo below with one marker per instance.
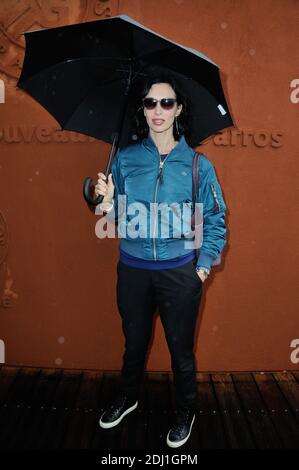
(150, 144)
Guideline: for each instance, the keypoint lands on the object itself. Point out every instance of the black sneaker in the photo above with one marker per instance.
(181, 429)
(117, 411)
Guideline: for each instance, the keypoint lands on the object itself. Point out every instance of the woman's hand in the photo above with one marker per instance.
(104, 189)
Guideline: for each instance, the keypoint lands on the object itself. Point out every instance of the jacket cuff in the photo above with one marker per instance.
(204, 260)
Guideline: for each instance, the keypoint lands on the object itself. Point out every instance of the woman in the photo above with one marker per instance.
(156, 271)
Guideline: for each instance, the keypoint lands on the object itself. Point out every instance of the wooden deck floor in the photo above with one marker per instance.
(52, 408)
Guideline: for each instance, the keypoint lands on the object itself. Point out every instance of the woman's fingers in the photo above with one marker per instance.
(102, 188)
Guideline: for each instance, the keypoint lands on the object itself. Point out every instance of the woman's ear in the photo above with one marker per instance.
(179, 110)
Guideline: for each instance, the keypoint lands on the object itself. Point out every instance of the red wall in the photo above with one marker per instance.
(58, 280)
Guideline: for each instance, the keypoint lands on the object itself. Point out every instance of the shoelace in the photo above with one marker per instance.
(182, 420)
(119, 402)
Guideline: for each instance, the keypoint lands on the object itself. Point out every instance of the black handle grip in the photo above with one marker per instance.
(86, 193)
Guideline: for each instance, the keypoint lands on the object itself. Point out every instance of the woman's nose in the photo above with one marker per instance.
(158, 109)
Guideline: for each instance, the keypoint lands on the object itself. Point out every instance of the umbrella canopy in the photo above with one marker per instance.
(86, 75)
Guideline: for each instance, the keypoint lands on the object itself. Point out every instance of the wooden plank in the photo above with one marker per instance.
(18, 398)
(134, 429)
(282, 417)
(52, 434)
(296, 375)
(84, 417)
(159, 409)
(33, 416)
(235, 420)
(290, 389)
(265, 435)
(107, 438)
(211, 429)
(7, 377)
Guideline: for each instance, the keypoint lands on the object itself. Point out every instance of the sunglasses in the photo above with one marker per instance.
(166, 103)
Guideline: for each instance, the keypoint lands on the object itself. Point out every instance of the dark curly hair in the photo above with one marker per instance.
(139, 124)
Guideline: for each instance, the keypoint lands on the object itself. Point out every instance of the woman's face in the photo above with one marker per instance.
(158, 119)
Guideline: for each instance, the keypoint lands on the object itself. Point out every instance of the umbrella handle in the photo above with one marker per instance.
(88, 181)
(87, 191)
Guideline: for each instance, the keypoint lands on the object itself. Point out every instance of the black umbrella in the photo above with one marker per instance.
(84, 75)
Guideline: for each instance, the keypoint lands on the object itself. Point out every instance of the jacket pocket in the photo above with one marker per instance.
(194, 274)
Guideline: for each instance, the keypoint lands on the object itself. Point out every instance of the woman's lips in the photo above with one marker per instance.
(158, 122)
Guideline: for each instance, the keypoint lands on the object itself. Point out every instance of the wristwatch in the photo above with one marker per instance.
(204, 270)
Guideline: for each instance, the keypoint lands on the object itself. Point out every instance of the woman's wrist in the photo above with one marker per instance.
(106, 205)
(108, 199)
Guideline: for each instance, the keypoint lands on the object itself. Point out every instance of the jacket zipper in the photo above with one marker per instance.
(159, 179)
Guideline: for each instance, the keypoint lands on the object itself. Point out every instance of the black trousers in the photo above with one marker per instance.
(177, 294)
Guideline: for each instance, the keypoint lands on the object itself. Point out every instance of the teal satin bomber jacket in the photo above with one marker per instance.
(143, 187)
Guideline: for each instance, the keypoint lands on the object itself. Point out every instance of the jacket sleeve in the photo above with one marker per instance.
(114, 214)
(214, 227)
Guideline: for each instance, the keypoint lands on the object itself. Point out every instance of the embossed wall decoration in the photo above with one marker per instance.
(17, 16)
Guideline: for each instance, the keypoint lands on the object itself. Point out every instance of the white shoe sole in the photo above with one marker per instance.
(117, 421)
(183, 441)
